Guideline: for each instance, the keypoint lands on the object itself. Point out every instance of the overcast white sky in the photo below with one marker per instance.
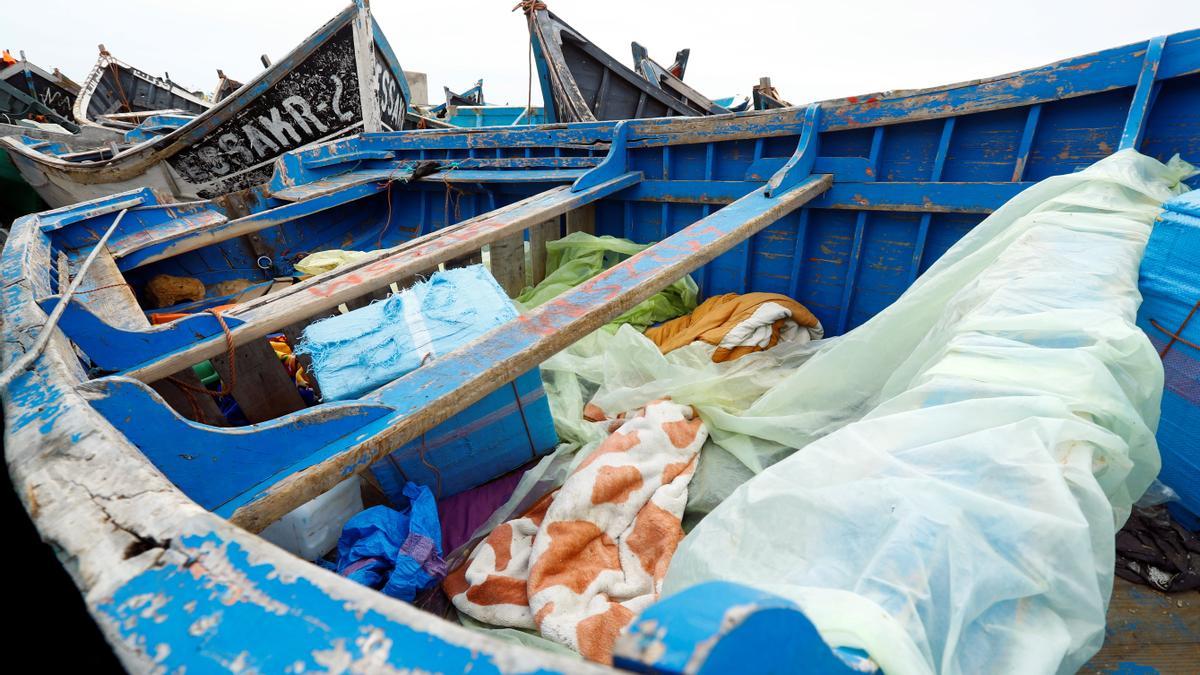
(811, 50)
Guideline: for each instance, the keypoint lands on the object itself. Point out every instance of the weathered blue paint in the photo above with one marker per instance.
(112, 348)
(721, 627)
(215, 610)
(475, 117)
(155, 126)
(801, 163)
(1135, 123)
(213, 464)
(614, 164)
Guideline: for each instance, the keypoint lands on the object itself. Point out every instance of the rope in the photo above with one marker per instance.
(529, 7)
(1177, 335)
(26, 361)
(120, 89)
(101, 288)
(457, 200)
(226, 389)
(429, 465)
(392, 178)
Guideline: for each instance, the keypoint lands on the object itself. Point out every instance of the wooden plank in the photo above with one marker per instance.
(186, 405)
(539, 236)
(935, 175)
(325, 292)
(1031, 122)
(1143, 95)
(431, 394)
(508, 263)
(582, 219)
(113, 301)
(262, 387)
(1149, 630)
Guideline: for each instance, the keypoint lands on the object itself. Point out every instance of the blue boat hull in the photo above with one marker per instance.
(840, 205)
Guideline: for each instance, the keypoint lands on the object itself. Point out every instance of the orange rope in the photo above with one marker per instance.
(120, 89)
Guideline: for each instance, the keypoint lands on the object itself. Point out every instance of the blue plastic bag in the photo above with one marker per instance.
(398, 553)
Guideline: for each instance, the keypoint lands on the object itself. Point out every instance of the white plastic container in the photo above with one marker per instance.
(312, 530)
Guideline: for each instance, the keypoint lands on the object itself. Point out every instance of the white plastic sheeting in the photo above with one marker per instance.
(967, 454)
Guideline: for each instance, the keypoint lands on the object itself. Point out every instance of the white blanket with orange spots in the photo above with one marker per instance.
(588, 557)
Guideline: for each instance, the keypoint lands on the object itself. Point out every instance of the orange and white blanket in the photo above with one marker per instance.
(588, 557)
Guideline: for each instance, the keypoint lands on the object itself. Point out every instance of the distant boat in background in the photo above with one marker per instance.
(116, 95)
(582, 83)
(469, 109)
(29, 92)
(225, 86)
(341, 80)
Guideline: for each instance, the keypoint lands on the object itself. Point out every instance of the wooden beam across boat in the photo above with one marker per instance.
(433, 393)
(257, 318)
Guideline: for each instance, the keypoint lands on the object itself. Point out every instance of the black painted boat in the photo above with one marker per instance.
(117, 96)
(670, 79)
(29, 92)
(583, 83)
(343, 79)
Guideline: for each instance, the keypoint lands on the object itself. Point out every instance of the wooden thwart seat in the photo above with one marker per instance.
(429, 395)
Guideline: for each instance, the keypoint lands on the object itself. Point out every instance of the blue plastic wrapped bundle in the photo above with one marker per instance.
(398, 553)
(1170, 286)
(364, 349)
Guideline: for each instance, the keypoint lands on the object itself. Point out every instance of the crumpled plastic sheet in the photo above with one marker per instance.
(397, 552)
(966, 522)
(327, 261)
(579, 256)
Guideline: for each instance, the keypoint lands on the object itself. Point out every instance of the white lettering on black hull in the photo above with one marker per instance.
(46, 92)
(317, 99)
(392, 105)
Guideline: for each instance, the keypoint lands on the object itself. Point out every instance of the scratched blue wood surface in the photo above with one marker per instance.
(720, 627)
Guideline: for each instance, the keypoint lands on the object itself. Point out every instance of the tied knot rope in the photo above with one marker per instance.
(529, 6)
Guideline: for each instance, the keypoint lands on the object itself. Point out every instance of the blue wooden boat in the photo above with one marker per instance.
(230, 146)
(841, 205)
(469, 109)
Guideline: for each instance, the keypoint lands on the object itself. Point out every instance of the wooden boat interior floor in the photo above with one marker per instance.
(1149, 632)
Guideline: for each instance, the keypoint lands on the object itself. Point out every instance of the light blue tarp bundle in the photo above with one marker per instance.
(364, 349)
(1170, 285)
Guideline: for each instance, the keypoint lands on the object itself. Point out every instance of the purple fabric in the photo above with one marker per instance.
(423, 550)
(463, 513)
